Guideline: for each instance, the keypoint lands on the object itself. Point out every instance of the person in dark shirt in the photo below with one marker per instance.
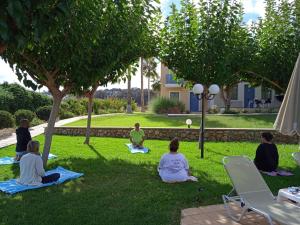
(23, 137)
(266, 158)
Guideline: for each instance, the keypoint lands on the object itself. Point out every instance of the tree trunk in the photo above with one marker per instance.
(142, 87)
(149, 91)
(225, 93)
(89, 119)
(2, 48)
(50, 127)
(129, 108)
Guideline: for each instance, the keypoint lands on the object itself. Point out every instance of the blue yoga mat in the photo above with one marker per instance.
(12, 187)
(137, 150)
(10, 160)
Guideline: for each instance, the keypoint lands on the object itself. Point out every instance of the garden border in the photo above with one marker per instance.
(192, 134)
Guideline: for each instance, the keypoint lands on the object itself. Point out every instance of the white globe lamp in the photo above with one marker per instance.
(188, 123)
(198, 89)
(213, 89)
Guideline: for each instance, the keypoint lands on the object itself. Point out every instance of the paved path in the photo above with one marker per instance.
(216, 215)
(37, 130)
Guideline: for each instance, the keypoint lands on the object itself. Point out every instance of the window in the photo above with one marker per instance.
(266, 93)
(234, 93)
(174, 96)
(170, 79)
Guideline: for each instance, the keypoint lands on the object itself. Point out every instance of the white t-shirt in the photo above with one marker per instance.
(173, 168)
(31, 170)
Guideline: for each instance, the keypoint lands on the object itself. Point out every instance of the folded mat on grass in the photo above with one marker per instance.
(11, 160)
(12, 187)
(278, 173)
(137, 150)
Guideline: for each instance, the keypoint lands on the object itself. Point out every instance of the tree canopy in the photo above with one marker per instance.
(27, 22)
(278, 40)
(196, 39)
(95, 33)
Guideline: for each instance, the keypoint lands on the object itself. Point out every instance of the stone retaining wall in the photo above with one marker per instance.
(211, 134)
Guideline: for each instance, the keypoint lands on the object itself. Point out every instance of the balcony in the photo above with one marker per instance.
(171, 82)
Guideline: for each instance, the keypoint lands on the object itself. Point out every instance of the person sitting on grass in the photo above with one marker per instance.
(31, 167)
(266, 158)
(137, 136)
(23, 137)
(173, 166)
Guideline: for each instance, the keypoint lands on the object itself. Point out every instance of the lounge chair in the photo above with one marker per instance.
(253, 194)
(296, 156)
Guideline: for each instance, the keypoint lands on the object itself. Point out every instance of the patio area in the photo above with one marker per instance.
(216, 215)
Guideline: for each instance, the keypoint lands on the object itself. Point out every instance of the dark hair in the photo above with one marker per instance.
(267, 136)
(137, 124)
(174, 145)
(24, 122)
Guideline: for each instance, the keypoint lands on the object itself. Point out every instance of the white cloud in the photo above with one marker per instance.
(254, 6)
(6, 73)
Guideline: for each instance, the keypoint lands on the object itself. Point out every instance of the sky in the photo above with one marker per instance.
(252, 8)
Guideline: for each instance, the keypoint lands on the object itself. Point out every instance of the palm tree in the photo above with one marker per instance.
(149, 68)
(142, 62)
(127, 75)
(131, 70)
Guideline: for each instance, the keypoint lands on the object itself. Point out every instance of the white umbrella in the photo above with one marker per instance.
(288, 118)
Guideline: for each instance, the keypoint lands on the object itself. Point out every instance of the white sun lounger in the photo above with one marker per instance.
(296, 156)
(253, 194)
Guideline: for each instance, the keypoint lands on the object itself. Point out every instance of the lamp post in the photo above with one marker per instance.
(198, 91)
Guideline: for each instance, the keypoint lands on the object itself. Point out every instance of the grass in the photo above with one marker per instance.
(123, 188)
(152, 120)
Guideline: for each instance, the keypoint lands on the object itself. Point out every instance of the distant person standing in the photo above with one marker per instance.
(23, 137)
(266, 158)
(137, 136)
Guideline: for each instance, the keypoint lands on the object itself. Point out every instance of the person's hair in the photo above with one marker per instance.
(33, 146)
(136, 124)
(174, 145)
(267, 136)
(24, 123)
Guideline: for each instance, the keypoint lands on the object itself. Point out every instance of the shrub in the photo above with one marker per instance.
(24, 114)
(163, 105)
(36, 121)
(6, 119)
(74, 106)
(39, 100)
(43, 112)
(66, 115)
(111, 105)
(6, 100)
(14, 97)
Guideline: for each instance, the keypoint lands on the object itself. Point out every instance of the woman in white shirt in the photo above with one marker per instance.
(173, 166)
(31, 167)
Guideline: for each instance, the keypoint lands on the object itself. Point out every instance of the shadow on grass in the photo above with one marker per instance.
(111, 192)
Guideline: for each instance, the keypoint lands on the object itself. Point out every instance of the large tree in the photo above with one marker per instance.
(278, 43)
(196, 40)
(62, 63)
(128, 46)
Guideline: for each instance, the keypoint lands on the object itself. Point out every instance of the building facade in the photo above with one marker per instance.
(242, 95)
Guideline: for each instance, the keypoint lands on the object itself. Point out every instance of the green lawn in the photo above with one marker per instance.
(123, 188)
(152, 120)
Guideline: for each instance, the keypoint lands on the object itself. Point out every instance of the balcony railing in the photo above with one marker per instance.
(170, 80)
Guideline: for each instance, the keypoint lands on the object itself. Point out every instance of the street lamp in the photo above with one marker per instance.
(198, 91)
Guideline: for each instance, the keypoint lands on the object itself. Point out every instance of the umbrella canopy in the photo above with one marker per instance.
(288, 118)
